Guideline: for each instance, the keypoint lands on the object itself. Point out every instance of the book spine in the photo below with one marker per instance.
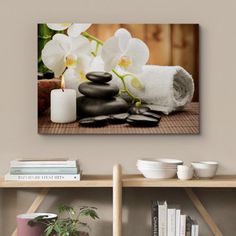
(183, 225)
(193, 230)
(171, 222)
(162, 216)
(177, 220)
(42, 177)
(43, 164)
(155, 219)
(188, 226)
(42, 170)
(196, 230)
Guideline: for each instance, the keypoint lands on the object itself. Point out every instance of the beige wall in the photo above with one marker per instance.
(18, 136)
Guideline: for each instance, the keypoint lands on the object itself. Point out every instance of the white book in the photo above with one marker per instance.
(182, 225)
(177, 222)
(194, 229)
(67, 177)
(162, 215)
(43, 163)
(171, 215)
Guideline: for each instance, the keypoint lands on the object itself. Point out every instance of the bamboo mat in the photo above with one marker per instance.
(184, 122)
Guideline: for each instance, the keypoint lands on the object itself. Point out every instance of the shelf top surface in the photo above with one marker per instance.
(226, 181)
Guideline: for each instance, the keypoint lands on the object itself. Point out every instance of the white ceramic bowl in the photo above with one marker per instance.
(185, 172)
(205, 169)
(158, 163)
(158, 173)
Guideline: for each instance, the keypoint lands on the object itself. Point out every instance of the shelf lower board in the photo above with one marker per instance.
(92, 181)
(220, 181)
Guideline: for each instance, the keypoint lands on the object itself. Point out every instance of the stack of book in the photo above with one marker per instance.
(43, 170)
(168, 221)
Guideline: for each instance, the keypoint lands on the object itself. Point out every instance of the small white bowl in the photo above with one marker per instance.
(205, 169)
(184, 168)
(185, 172)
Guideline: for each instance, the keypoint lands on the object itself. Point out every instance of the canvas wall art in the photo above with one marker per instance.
(118, 78)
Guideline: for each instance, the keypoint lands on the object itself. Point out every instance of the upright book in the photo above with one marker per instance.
(162, 216)
(171, 222)
(155, 218)
(177, 222)
(182, 225)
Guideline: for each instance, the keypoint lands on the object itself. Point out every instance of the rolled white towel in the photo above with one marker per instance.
(166, 88)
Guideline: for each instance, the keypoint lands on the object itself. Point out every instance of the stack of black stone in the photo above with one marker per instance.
(100, 105)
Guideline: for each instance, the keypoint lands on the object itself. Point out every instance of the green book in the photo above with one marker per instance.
(43, 170)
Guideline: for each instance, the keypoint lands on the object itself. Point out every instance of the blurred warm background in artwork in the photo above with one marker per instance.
(169, 44)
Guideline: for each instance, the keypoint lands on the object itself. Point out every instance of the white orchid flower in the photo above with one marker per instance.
(65, 52)
(131, 54)
(73, 30)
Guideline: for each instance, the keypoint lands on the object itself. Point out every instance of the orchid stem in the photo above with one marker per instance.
(91, 37)
(126, 90)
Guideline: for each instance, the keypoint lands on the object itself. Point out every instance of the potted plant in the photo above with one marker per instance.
(69, 222)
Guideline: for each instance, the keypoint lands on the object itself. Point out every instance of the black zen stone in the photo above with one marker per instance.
(154, 110)
(138, 110)
(87, 106)
(97, 121)
(142, 121)
(99, 77)
(96, 90)
(151, 114)
(118, 118)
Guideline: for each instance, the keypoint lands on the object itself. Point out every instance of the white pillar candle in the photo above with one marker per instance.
(63, 105)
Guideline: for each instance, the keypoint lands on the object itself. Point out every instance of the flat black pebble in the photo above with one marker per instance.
(99, 76)
(153, 110)
(97, 121)
(142, 121)
(87, 107)
(151, 114)
(95, 90)
(138, 110)
(118, 118)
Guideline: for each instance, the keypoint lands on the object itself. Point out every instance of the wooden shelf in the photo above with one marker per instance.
(220, 181)
(95, 181)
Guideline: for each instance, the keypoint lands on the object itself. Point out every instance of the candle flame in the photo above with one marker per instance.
(62, 83)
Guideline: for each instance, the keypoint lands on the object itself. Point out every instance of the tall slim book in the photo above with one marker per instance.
(177, 222)
(50, 177)
(195, 228)
(155, 218)
(171, 216)
(182, 225)
(189, 223)
(162, 216)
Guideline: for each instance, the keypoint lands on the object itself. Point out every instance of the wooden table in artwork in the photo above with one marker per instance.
(184, 122)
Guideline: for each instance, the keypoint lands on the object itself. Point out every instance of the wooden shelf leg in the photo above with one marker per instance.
(117, 201)
(203, 212)
(36, 203)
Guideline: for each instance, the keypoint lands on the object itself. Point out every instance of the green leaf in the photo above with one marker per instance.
(135, 82)
(89, 212)
(49, 230)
